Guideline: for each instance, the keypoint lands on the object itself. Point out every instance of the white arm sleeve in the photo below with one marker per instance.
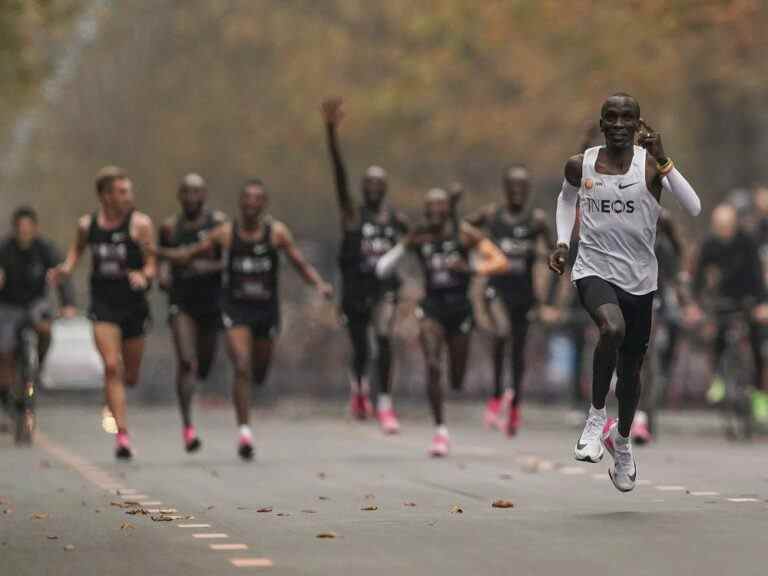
(565, 214)
(387, 264)
(676, 184)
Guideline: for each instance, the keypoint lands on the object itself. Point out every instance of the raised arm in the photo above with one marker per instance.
(283, 239)
(332, 114)
(661, 174)
(492, 261)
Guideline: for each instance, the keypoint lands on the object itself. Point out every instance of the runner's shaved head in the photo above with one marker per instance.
(623, 98)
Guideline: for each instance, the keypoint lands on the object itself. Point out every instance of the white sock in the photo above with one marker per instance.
(245, 432)
(601, 412)
(384, 402)
(442, 431)
(622, 440)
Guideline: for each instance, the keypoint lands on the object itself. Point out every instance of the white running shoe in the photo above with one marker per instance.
(623, 473)
(589, 447)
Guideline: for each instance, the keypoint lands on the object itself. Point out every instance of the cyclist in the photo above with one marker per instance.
(25, 260)
(728, 269)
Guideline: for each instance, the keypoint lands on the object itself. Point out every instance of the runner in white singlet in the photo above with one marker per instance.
(618, 189)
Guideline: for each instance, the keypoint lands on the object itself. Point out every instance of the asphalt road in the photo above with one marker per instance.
(701, 506)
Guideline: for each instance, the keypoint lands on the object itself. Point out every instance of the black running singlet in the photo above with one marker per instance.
(516, 237)
(199, 281)
(252, 269)
(362, 246)
(442, 285)
(113, 255)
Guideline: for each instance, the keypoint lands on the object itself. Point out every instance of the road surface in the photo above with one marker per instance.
(701, 506)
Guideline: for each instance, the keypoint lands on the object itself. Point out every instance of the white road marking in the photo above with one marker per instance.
(251, 562)
(209, 535)
(670, 488)
(572, 470)
(152, 503)
(601, 477)
(743, 500)
(136, 497)
(704, 493)
(193, 525)
(228, 547)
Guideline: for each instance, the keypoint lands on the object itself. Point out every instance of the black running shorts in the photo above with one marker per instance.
(636, 310)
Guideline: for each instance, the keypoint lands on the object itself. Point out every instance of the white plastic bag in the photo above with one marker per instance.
(73, 362)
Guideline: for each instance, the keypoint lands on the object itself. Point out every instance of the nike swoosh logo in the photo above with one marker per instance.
(625, 186)
(580, 446)
(633, 476)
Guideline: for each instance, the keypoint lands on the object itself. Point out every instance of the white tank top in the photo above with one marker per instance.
(618, 226)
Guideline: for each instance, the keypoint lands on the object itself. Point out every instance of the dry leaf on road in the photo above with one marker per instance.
(502, 504)
(265, 509)
(326, 535)
(369, 508)
(39, 516)
(457, 510)
(69, 547)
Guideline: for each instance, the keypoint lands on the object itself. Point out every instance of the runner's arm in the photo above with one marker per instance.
(144, 231)
(75, 251)
(332, 115)
(491, 260)
(283, 239)
(219, 236)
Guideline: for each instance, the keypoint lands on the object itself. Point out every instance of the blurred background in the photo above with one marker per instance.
(434, 92)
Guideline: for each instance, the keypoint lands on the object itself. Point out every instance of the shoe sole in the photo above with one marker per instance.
(622, 490)
(588, 458)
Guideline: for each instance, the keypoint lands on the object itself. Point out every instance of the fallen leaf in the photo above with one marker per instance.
(323, 498)
(69, 547)
(52, 537)
(97, 510)
(502, 504)
(283, 514)
(134, 511)
(309, 511)
(409, 504)
(265, 509)
(161, 518)
(131, 504)
(211, 507)
(457, 510)
(326, 535)
(127, 526)
(369, 508)
(39, 516)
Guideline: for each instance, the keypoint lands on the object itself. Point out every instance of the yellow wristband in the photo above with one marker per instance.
(666, 168)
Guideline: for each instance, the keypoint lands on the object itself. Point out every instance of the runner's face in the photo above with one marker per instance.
(374, 190)
(619, 121)
(437, 213)
(253, 200)
(25, 231)
(120, 198)
(516, 189)
(192, 200)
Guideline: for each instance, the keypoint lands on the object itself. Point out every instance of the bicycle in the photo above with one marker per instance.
(736, 368)
(24, 390)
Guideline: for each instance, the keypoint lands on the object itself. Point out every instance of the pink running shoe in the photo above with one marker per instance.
(513, 423)
(440, 446)
(245, 448)
(609, 430)
(191, 440)
(123, 446)
(357, 406)
(639, 431)
(388, 422)
(492, 417)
